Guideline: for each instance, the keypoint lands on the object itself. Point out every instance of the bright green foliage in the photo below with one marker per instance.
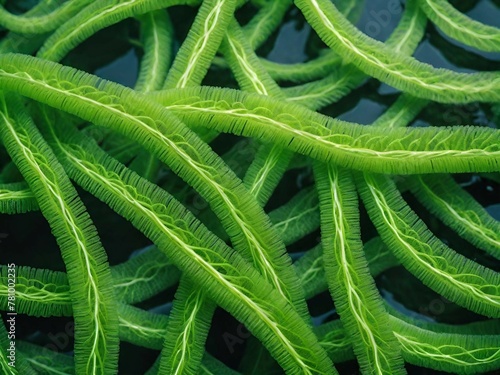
(88, 271)
(460, 211)
(16, 198)
(452, 275)
(227, 219)
(404, 73)
(356, 298)
(53, 15)
(460, 27)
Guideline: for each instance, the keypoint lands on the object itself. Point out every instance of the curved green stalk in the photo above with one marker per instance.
(303, 72)
(144, 276)
(267, 19)
(187, 330)
(404, 39)
(311, 266)
(40, 24)
(211, 366)
(320, 66)
(457, 209)
(39, 292)
(95, 17)
(140, 327)
(351, 286)
(175, 145)
(46, 293)
(404, 73)
(223, 274)
(452, 275)
(464, 351)
(195, 55)
(46, 361)
(14, 42)
(456, 353)
(401, 151)
(16, 198)
(461, 27)
(157, 40)
(96, 338)
(402, 112)
(270, 162)
(243, 61)
(298, 217)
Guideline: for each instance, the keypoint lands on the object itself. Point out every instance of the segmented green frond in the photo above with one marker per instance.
(298, 217)
(141, 327)
(458, 353)
(461, 27)
(457, 278)
(457, 209)
(320, 66)
(42, 292)
(243, 61)
(268, 18)
(224, 275)
(46, 361)
(157, 40)
(201, 44)
(39, 292)
(144, 276)
(401, 151)
(303, 72)
(317, 94)
(404, 39)
(404, 73)
(96, 328)
(94, 17)
(271, 162)
(311, 270)
(453, 353)
(187, 330)
(178, 147)
(335, 341)
(476, 328)
(266, 171)
(44, 23)
(16, 198)
(353, 290)
(14, 42)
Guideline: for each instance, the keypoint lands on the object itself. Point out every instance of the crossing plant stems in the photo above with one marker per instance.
(62, 128)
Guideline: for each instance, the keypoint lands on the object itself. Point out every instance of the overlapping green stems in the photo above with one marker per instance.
(63, 129)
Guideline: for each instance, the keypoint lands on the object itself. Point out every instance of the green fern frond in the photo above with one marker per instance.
(460, 27)
(96, 328)
(445, 271)
(404, 73)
